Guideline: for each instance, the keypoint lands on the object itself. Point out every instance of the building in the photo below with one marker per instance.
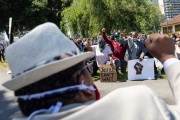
(172, 25)
(171, 8)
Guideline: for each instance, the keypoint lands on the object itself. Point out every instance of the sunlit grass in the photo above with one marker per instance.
(96, 77)
(4, 65)
(162, 76)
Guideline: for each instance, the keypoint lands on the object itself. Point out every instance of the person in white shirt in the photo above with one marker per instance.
(102, 51)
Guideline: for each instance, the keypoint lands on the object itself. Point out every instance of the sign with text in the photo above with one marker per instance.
(141, 70)
(107, 73)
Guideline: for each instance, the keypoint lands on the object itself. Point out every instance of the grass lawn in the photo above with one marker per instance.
(4, 65)
(124, 77)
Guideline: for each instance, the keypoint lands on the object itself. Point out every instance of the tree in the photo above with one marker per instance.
(89, 17)
(27, 14)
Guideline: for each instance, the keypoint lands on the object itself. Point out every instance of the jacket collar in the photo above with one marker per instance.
(65, 111)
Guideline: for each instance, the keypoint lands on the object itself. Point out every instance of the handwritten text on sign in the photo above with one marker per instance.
(107, 73)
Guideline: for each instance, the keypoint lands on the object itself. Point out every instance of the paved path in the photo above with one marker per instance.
(8, 103)
(9, 107)
(160, 87)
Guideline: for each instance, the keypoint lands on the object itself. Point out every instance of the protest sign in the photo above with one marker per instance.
(108, 73)
(141, 70)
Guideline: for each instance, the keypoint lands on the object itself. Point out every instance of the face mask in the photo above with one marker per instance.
(117, 39)
(60, 90)
(101, 47)
(97, 93)
(56, 108)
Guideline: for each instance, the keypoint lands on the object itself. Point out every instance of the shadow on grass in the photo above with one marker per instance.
(122, 77)
(162, 76)
(96, 77)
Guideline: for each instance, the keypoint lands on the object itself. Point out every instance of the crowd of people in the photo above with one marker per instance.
(117, 49)
(52, 81)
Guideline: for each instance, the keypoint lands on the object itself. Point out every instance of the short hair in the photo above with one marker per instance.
(101, 40)
(68, 77)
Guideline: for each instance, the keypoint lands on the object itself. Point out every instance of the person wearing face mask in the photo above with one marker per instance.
(117, 48)
(102, 51)
(57, 85)
(54, 85)
(177, 47)
(80, 45)
(115, 32)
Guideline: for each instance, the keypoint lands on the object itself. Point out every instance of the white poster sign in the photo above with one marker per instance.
(141, 70)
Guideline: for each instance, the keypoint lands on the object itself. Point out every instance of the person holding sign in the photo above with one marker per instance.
(102, 51)
(57, 85)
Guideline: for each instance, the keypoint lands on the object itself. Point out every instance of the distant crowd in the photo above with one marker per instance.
(118, 48)
(3, 44)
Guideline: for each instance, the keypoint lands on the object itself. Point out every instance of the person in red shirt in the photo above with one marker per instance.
(117, 48)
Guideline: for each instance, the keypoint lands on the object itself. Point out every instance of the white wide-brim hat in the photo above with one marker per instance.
(42, 52)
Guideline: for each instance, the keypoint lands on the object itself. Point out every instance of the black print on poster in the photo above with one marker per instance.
(138, 67)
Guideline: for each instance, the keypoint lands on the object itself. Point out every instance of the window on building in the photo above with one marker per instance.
(177, 27)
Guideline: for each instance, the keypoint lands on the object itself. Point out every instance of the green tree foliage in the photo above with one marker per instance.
(27, 14)
(88, 17)
(13, 8)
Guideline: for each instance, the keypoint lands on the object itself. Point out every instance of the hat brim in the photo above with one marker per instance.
(44, 71)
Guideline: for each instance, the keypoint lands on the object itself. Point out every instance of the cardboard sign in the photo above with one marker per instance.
(108, 73)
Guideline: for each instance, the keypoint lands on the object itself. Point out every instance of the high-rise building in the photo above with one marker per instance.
(171, 8)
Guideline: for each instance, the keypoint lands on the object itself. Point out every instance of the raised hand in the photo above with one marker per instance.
(103, 30)
(160, 46)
